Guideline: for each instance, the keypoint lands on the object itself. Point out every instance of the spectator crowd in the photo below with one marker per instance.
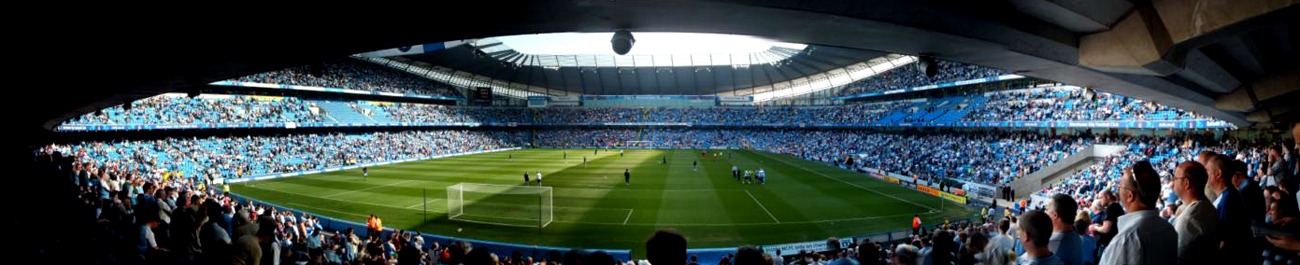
(206, 109)
(908, 76)
(354, 74)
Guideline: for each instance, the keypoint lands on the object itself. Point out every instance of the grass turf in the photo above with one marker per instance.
(593, 208)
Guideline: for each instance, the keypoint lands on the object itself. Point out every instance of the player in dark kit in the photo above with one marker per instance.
(365, 173)
(627, 177)
(525, 177)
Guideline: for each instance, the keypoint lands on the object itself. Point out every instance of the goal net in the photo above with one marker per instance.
(510, 205)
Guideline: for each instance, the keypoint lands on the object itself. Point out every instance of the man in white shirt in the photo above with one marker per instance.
(1000, 244)
(539, 178)
(1143, 237)
(1196, 222)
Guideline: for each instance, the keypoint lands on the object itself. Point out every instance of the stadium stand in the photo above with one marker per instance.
(228, 157)
(353, 74)
(1048, 104)
(909, 77)
(1071, 104)
(178, 109)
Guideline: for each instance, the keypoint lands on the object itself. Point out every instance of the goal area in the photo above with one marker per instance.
(509, 205)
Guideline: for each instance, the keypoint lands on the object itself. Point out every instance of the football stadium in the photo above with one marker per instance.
(671, 133)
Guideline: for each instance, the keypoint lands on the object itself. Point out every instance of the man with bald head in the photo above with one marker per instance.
(1144, 237)
(1197, 221)
(1234, 219)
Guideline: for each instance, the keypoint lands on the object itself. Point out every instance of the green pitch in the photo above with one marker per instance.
(593, 208)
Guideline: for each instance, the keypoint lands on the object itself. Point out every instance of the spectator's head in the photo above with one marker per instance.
(1218, 172)
(1140, 187)
(599, 258)
(1204, 156)
(833, 244)
(1106, 197)
(1239, 170)
(666, 247)
(1004, 225)
(1035, 230)
(1081, 226)
(904, 255)
(1189, 181)
(1275, 152)
(266, 229)
(1295, 135)
(1062, 210)
(868, 253)
(573, 256)
(748, 255)
(480, 256)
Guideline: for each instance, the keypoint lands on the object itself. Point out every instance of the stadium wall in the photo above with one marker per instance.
(1055, 172)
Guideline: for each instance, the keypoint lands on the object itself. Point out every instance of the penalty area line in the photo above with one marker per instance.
(760, 205)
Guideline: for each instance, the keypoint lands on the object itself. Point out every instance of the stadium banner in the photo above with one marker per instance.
(811, 246)
(736, 98)
(929, 190)
(341, 168)
(953, 197)
(331, 90)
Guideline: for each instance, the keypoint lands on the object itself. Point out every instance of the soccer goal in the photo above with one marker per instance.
(510, 205)
(638, 144)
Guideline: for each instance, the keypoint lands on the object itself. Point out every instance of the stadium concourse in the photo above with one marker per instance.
(366, 168)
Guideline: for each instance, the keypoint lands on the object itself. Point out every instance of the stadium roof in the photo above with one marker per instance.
(660, 63)
(658, 49)
(1236, 66)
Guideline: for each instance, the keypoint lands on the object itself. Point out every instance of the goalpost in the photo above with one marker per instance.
(510, 205)
(638, 144)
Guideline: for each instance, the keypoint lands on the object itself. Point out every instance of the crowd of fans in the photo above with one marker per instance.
(988, 158)
(411, 112)
(1071, 104)
(1050, 104)
(209, 109)
(234, 157)
(908, 76)
(353, 74)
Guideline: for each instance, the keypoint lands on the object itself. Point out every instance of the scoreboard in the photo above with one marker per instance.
(483, 96)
